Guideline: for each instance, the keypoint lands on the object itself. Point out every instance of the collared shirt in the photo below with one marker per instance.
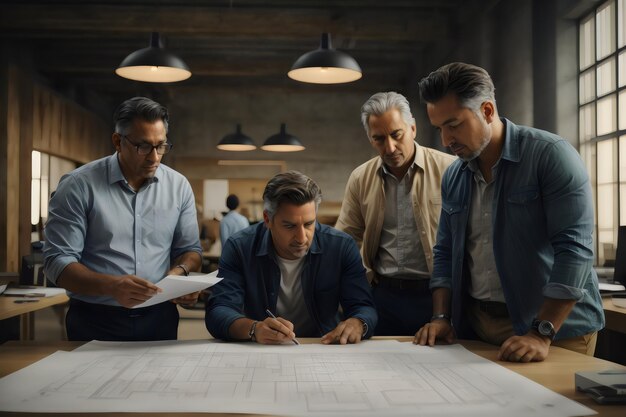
(485, 281)
(231, 224)
(400, 254)
(363, 208)
(542, 222)
(97, 219)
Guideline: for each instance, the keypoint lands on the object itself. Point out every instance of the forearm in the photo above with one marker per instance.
(192, 260)
(555, 311)
(240, 329)
(79, 279)
(441, 301)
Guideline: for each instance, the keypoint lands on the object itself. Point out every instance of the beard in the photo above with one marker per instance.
(483, 144)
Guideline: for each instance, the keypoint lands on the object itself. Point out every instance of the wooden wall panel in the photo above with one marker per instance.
(64, 129)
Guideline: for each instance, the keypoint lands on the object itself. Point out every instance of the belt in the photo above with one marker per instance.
(104, 308)
(493, 308)
(403, 284)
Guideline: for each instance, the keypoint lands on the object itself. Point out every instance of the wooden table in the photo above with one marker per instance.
(615, 316)
(9, 308)
(556, 373)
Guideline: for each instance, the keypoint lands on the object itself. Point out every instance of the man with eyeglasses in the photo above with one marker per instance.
(117, 226)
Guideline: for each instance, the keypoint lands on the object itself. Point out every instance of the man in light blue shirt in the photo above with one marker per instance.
(117, 226)
(232, 221)
(514, 252)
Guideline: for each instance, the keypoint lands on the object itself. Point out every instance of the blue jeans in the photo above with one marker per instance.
(401, 312)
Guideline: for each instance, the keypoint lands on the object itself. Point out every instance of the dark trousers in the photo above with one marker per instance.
(87, 321)
(401, 311)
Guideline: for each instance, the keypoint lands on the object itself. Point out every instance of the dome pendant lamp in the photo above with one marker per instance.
(153, 64)
(325, 66)
(282, 142)
(236, 142)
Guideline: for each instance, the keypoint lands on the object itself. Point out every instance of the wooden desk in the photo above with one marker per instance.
(615, 316)
(556, 373)
(9, 308)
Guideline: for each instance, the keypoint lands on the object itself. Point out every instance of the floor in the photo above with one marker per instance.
(49, 324)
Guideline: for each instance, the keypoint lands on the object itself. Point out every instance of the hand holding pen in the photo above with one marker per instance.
(282, 327)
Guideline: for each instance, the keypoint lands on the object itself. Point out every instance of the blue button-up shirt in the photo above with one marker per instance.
(97, 219)
(542, 222)
(332, 275)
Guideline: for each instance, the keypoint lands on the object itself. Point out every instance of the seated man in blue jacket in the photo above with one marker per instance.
(298, 270)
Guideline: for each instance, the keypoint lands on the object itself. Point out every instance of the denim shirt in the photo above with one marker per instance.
(332, 275)
(542, 232)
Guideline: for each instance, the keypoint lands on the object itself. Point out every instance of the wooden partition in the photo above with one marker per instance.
(33, 117)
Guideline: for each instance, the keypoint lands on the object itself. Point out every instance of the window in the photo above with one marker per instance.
(602, 118)
(46, 174)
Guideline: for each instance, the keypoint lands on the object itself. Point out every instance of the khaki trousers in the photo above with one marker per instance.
(495, 330)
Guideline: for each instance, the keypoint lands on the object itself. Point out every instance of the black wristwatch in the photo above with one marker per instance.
(544, 328)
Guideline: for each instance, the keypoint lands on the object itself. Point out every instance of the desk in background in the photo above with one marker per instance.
(556, 373)
(8, 309)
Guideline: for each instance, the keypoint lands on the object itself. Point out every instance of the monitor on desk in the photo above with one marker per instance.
(619, 276)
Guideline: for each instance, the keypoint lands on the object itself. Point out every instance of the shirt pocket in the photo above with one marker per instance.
(524, 207)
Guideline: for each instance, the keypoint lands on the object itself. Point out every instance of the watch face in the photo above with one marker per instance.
(545, 328)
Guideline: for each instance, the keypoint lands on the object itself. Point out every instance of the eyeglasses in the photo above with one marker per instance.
(146, 148)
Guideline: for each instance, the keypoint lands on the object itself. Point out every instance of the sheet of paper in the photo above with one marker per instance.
(374, 378)
(174, 286)
(32, 291)
(603, 286)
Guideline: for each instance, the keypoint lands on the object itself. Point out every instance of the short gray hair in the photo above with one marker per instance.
(138, 108)
(471, 84)
(381, 103)
(291, 187)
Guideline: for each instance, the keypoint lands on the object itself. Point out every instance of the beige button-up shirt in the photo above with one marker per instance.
(363, 208)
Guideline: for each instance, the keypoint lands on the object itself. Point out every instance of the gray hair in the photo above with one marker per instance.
(381, 103)
(471, 84)
(291, 187)
(138, 108)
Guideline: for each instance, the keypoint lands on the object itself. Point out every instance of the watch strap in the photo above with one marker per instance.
(184, 268)
(252, 332)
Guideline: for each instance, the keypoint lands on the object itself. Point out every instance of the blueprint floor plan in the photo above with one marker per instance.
(370, 379)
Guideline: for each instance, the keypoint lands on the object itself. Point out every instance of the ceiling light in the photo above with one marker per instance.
(282, 142)
(236, 142)
(153, 64)
(325, 66)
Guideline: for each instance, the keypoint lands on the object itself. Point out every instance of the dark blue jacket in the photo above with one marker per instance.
(332, 275)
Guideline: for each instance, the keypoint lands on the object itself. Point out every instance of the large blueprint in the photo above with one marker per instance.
(374, 378)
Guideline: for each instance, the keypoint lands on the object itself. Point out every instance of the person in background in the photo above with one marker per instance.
(232, 221)
(308, 275)
(391, 208)
(117, 226)
(514, 252)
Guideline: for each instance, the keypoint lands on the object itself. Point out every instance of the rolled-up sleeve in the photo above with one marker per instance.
(226, 303)
(356, 294)
(66, 227)
(569, 216)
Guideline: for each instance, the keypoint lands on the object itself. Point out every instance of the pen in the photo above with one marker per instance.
(269, 313)
(26, 300)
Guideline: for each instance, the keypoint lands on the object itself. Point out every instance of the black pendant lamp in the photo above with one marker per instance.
(325, 66)
(153, 64)
(236, 142)
(282, 142)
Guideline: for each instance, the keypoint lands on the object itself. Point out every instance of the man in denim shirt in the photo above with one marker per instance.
(288, 275)
(514, 252)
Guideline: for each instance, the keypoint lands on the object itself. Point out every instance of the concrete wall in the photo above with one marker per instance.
(327, 123)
